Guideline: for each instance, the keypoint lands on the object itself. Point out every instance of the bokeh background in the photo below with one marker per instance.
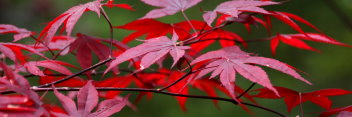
(330, 69)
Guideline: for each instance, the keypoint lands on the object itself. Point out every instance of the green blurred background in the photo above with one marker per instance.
(330, 69)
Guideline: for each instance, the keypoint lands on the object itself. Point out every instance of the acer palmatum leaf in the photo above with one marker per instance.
(110, 4)
(87, 99)
(20, 33)
(333, 111)
(292, 97)
(168, 7)
(153, 28)
(295, 40)
(10, 49)
(231, 60)
(69, 18)
(151, 51)
(236, 7)
(32, 67)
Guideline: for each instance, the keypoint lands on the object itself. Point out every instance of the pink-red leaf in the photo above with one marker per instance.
(340, 110)
(293, 98)
(168, 7)
(236, 7)
(230, 60)
(87, 99)
(108, 107)
(152, 50)
(20, 33)
(69, 18)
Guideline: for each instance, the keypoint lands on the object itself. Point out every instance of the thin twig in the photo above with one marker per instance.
(46, 46)
(188, 21)
(246, 91)
(180, 79)
(111, 31)
(77, 74)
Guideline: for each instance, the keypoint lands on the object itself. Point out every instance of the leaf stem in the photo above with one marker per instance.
(46, 46)
(188, 21)
(180, 79)
(111, 30)
(246, 91)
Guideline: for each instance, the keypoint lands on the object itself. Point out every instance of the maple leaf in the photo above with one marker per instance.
(287, 18)
(12, 81)
(293, 98)
(169, 7)
(20, 33)
(13, 51)
(243, 18)
(236, 7)
(85, 46)
(231, 60)
(153, 28)
(59, 43)
(32, 67)
(110, 4)
(295, 40)
(87, 99)
(343, 112)
(151, 51)
(69, 19)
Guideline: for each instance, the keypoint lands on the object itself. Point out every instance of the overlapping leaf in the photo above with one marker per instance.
(69, 19)
(110, 4)
(231, 60)
(343, 112)
(151, 51)
(168, 7)
(236, 7)
(295, 40)
(13, 51)
(87, 99)
(153, 28)
(293, 98)
(20, 33)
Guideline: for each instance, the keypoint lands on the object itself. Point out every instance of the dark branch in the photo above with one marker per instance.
(77, 74)
(246, 91)
(160, 92)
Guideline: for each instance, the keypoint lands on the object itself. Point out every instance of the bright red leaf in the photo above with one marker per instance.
(344, 112)
(110, 4)
(295, 40)
(293, 98)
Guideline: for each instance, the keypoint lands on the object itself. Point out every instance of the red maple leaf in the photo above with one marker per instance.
(293, 98)
(344, 112)
(69, 19)
(151, 51)
(295, 40)
(236, 7)
(110, 4)
(169, 7)
(87, 99)
(14, 51)
(231, 60)
(153, 28)
(20, 33)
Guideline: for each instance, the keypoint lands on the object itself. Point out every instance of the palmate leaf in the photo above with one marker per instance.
(151, 51)
(20, 33)
(295, 40)
(69, 19)
(293, 98)
(87, 99)
(236, 7)
(168, 7)
(231, 60)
